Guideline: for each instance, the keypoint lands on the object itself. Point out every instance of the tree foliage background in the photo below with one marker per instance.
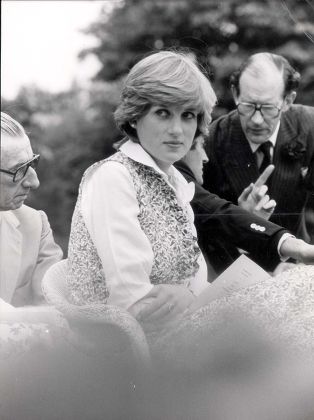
(75, 128)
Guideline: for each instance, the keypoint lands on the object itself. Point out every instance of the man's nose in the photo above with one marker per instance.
(257, 117)
(31, 179)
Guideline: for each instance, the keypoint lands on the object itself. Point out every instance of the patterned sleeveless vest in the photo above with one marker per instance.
(161, 218)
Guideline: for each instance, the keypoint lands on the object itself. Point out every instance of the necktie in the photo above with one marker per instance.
(265, 149)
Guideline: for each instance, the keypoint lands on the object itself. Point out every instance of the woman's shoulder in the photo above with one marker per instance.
(107, 171)
(110, 166)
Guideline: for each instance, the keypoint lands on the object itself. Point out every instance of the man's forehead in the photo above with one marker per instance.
(264, 75)
(261, 90)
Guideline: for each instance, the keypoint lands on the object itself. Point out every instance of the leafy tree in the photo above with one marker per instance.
(70, 130)
(221, 34)
(73, 129)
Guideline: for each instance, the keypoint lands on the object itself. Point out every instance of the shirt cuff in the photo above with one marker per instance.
(281, 241)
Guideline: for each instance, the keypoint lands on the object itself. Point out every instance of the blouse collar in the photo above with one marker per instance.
(174, 179)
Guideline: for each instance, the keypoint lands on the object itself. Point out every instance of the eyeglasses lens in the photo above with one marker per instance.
(267, 111)
(21, 172)
(270, 111)
(246, 109)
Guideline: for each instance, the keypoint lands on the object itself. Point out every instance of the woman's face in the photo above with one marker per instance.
(167, 133)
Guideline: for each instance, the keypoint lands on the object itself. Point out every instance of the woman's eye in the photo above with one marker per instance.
(189, 115)
(162, 112)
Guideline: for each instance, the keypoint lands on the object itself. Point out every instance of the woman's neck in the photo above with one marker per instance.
(164, 166)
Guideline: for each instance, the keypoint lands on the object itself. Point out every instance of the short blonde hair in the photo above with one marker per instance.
(10, 126)
(165, 78)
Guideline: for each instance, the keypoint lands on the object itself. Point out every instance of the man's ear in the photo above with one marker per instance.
(234, 94)
(289, 99)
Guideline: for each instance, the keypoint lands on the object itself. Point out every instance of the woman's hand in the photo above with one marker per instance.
(165, 303)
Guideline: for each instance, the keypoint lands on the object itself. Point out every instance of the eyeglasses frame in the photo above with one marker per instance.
(259, 107)
(35, 157)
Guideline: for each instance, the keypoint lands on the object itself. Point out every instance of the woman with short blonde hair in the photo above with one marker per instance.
(133, 237)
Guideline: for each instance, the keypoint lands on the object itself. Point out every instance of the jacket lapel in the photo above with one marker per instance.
(287, 133)
(241, 164)
(10, 254)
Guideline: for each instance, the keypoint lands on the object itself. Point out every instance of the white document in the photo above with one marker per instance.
(242, 273)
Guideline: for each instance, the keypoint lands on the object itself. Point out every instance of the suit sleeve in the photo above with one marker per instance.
(307, 222)
(219, 220)
(49, 253)
(306, 226)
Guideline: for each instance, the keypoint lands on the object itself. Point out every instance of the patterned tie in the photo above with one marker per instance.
(265, 148)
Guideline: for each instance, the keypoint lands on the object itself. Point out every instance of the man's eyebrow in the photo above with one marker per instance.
(17, 166)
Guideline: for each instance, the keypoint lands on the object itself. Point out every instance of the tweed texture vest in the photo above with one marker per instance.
(163, 220)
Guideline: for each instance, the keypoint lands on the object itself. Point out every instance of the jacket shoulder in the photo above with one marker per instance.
(303, 115)
(29, 218)
(223, 128)
(25, 211)
(224, 121)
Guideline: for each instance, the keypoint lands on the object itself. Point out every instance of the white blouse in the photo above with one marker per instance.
(110, 210)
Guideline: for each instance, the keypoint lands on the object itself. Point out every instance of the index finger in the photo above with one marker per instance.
(261, 180)
(245, 193)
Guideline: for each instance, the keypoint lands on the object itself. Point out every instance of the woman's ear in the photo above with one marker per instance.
(133, 124)
(289, 99)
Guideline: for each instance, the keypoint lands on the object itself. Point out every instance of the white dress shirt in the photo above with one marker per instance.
(273, 138)
(110, 210)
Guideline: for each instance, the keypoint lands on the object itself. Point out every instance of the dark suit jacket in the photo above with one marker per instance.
(232, 166)
(222, 227)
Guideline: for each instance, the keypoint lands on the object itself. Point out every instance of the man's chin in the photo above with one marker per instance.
(17, 204)
(256, 139)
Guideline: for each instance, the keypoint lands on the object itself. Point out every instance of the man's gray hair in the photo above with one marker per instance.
(10, 126)
(290, 76)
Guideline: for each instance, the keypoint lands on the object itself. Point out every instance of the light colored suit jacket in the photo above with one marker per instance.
(27, 250)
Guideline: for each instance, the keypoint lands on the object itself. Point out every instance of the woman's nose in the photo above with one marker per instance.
(31, 179)
(175, 126)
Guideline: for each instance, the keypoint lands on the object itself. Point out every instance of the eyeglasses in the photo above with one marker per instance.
(21, 171)
(249, 109)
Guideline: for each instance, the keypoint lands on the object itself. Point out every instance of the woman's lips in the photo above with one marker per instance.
(173, 143)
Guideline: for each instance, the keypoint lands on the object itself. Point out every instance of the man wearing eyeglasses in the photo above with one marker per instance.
(266, 128)
(27, 247)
